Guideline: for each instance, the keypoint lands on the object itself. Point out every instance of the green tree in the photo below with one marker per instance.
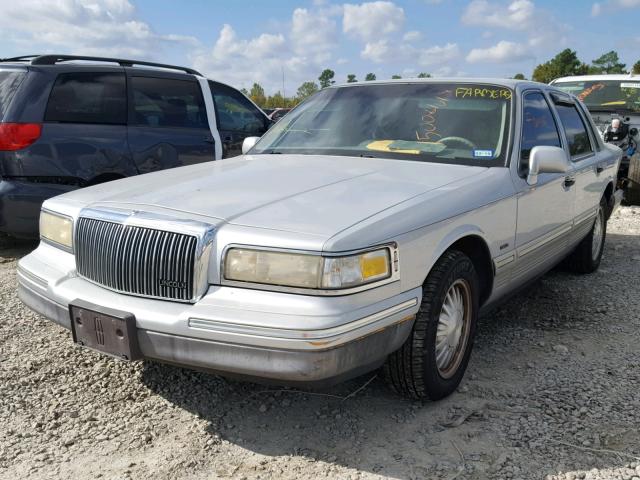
(395, 77)
(306, 90)
(608, 63)
(564, 64)
(424, 75)
(370, 77)
(257, 95)
(636, 68)
(326, 78)
(519, 76)
(351, 78)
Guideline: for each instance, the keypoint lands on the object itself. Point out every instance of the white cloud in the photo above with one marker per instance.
(612, 5)
(412, 36)
(541, 27)
(502, 52)
(312, 32)
(369, 21)
(93, 27)
(438, 55)
(377, 52)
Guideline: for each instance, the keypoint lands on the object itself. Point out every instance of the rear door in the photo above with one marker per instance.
(167, 121)
(588, 162)
(236, 117)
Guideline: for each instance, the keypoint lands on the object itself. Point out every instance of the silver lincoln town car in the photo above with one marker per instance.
(370, 227)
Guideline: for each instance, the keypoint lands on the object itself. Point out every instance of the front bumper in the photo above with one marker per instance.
(20, 204)
(291, 339)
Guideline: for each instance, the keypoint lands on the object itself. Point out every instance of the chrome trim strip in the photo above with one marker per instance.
(305, 339)
(586, 216)
(394, 258)
(535, 244)
(504, 260)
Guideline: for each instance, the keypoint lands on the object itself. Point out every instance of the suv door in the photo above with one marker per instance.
(236, 118)
(167, 121)
(585, 159)
(545, 210)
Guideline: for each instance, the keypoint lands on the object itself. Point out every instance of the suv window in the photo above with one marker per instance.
(167, 102)
(234, 112)
(538, 127)
(574, 128)
(9, 83)
(88, 98)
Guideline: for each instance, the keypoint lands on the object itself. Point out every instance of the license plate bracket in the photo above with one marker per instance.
(104, 330)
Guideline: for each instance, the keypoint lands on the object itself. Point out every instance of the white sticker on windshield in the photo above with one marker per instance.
(483, 153)
(629, 85)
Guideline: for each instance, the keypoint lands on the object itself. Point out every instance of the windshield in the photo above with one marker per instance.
(433, 122)
(606, 95)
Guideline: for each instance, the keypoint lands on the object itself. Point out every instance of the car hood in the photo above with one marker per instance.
(318, 195)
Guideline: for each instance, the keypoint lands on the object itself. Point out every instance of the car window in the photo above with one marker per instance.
(88, 98)
(9, 83)
(167, 102)
(234, 112)
(575, 130)
(538, 127)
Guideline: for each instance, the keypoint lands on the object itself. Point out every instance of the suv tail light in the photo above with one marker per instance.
(16, 136)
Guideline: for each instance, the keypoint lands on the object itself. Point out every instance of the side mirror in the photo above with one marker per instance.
(544, 159)
(248, 143)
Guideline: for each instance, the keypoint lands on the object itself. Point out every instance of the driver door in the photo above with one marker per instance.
(545, 210)
(237, 118)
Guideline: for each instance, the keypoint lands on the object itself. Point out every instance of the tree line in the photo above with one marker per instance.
(564, 64)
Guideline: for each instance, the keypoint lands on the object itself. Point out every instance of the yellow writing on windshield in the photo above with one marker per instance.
(477, 92)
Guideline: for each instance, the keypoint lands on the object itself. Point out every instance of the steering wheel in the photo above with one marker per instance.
(459, 140)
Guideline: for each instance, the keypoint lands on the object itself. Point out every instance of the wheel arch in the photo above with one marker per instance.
(474, 245)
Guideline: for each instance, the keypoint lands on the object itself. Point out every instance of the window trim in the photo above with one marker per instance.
(521, 172)
(131, 101)
(64, 122)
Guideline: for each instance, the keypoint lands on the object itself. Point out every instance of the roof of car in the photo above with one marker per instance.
(591, 78)
(505, 82)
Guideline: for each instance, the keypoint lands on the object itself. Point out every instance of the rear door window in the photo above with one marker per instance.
(9, 83)
(575, 130)
(166, 102)
(94, 98)
(234, 112)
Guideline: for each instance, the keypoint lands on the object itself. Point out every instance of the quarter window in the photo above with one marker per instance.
(575, 130)
(538, 127)
(166, 102)
(99, 98)
(234, 112)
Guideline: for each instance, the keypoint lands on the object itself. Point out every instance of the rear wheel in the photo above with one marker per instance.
(432, 361)
(632, 194)
(588, 254)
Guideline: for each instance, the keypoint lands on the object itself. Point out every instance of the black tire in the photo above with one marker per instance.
(584, 258)
(632, 194)
(412, 371)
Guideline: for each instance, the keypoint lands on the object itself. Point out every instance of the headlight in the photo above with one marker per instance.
(306, 270)
(56, 229)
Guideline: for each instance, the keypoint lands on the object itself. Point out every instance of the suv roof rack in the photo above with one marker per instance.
(53, 59)
(23, 58)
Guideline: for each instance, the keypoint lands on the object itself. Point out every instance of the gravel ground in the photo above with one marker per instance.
(552, 392)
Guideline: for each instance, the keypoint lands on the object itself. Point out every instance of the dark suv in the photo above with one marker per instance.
(67, 122)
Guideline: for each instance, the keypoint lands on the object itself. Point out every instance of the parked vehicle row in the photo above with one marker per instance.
(65, 125)
(369, 227)
(614, 104)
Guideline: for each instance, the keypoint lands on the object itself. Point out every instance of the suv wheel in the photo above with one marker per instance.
(432, 361)
(588, 254)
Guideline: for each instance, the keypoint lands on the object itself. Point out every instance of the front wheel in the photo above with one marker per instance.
(432, 361)
(588, 254)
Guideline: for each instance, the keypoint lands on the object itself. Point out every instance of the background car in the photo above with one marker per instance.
(278, 113)
(66, 125)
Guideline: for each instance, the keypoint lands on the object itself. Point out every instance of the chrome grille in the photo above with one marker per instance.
(136, 260)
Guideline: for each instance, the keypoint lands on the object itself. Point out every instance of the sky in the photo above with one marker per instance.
(241, 42)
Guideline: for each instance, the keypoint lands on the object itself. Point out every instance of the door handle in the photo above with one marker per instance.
(569, 180)
(600, 168)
